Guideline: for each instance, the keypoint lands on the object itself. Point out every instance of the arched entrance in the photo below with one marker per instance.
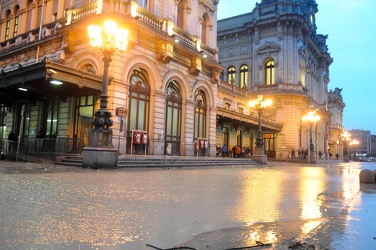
(139, 102)
(173, 118)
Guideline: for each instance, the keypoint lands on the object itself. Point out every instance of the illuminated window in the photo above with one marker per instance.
(231, 75)
(200, 115)
(7, 25)
(269, 72)
(16, 20)
(244, 76)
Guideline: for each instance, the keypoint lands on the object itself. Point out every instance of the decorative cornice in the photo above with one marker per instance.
(268, 48)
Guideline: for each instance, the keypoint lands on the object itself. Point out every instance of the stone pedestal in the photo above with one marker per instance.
(100, 153)
(346, 158)
(312, 158)
(100, 158)
(259, 156)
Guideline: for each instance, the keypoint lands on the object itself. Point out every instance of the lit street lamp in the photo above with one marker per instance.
(311, 117)
(259, 105)
(101, 153)
(353, 144)
(346, 137)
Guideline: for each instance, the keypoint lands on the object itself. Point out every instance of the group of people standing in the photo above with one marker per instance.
(303, 153)
(235, 151)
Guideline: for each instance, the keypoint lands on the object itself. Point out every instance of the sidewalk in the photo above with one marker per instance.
(50, 166)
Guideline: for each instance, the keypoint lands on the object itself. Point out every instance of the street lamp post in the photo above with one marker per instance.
(353, 144)
(100, 152)
(259, 105)
(346, 137)
(311, 117)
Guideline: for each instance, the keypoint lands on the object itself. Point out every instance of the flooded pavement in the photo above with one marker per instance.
(47, 207)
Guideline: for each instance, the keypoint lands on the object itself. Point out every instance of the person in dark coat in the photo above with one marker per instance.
(12, 137)
(234, 151)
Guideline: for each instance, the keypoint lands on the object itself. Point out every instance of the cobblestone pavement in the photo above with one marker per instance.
(45, 206)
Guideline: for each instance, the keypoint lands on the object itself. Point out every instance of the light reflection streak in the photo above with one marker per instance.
(311, 185)
(309, 226)
(260, 197)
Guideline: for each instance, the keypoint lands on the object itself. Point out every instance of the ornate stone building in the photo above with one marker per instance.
(166, 79)
(336, 107)
(275, 51)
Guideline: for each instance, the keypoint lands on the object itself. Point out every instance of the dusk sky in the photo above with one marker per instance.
(351, 30)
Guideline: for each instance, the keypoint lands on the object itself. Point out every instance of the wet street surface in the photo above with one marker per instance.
(49, 207)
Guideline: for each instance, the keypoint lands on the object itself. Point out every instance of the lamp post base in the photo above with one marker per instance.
(99, 158)
(346, 158)
(100, 153)
(312, 158)
(259, 156)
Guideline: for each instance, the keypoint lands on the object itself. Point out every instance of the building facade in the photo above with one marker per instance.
(275, 51)
(336, 107)
(166, 79)
(364, 145)
(183, 79)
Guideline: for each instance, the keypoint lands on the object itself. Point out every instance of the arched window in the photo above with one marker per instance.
(139, 96)
(244, 76)
(231, 78)
(200, 115)
(7, 24)
(16, 20)
(269, 72)
(173, 117)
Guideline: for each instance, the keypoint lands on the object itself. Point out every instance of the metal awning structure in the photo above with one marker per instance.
(234, 119)
(36, 79)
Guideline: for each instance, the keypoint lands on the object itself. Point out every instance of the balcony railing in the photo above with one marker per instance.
(282, 87)
(232, 89)
(132, 9)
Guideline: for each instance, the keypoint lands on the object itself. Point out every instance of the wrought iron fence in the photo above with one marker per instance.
(36, 149)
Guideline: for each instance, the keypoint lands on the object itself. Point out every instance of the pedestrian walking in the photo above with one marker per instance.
(224, 151)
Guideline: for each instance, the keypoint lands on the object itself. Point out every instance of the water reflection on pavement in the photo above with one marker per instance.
(204, 208)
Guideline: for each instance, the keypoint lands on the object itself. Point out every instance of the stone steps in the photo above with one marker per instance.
(164, 161)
